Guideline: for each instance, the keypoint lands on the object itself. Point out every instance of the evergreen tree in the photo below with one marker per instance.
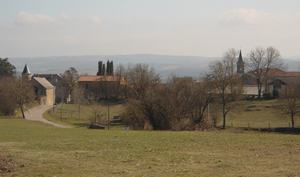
(108, 67)
(111, 68)
(6, 68)
(103, 70)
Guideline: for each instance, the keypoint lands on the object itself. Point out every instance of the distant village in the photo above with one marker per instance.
(106, 84)
(180, 103)
(50, 89)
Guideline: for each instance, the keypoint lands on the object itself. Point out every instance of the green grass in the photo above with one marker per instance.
(69, 114)
(255, 114)
(259, 114)
(41, 151)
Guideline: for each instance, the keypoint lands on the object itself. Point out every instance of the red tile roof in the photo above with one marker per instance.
(280, 73)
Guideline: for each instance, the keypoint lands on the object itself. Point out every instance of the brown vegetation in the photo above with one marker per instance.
(7, 165)
(15, 92)
(290, 100)
(226, 83)
(178, 104)
(261, 61)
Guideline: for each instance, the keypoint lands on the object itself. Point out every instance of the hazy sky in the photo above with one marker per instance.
(176, 27)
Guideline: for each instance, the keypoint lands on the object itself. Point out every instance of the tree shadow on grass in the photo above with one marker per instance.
(283, 130)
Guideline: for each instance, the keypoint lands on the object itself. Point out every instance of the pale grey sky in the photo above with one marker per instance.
(175, 27)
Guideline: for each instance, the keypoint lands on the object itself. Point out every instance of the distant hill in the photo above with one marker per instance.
(164, 64)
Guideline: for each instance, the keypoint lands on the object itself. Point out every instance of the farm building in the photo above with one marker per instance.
(57, 81)
(277, 80)
(44, 90)
(104, 85)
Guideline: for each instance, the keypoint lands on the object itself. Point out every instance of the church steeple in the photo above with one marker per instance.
(240, 64)
(26, 73)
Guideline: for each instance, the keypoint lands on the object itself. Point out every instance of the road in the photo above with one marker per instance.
(36, 114)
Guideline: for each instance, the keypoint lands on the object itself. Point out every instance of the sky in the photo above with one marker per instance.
(32, 28)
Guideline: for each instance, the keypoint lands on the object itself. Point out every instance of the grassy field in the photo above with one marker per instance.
(259, 114)
(43, 151)
(255, 114)
(69, 114)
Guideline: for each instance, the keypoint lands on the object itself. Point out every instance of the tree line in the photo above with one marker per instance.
(14, 92)
(183, 103)
(178, 103)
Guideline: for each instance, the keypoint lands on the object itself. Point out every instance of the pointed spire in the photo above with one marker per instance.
(240, 57)
(26, 70)
(240, 64)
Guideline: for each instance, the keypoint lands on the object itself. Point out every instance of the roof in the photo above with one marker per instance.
(47, 75)
(280, 73)
(43, 82)
(26, 70)
(286, 74)
(286, 80)
(101, 79)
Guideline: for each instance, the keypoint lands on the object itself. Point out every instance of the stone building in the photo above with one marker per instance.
(104, 85)
(44, 90)
(276, 84)
(57, 81)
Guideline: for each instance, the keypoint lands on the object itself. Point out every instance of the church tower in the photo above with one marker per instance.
(26, 73)
(240, 64)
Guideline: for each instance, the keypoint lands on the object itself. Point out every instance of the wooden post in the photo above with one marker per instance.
(108, 121)
(79, 112)
(60, 114)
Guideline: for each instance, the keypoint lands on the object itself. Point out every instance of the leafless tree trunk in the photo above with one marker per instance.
(291, 101)
(261, 61)
(70, 79)
(226, 85)
(79, 98)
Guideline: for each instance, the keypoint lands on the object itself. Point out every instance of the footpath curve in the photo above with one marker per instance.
(36, 114)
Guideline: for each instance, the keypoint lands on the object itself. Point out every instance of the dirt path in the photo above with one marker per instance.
(36, 114)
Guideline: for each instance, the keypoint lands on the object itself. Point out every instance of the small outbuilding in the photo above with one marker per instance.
(44, 90)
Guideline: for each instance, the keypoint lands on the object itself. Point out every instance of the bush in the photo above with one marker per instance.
(8, 104)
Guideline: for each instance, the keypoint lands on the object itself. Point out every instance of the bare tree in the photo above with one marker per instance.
(141, 78)
(231, 58)
(226, 85)
(180, 99)
(79, 98)
(142, 81)
(70, 78)
(290, 98)
(261, 61)
(24, 94)
(120, 73)
(8, 104)
(201, 99)
(15, 93)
